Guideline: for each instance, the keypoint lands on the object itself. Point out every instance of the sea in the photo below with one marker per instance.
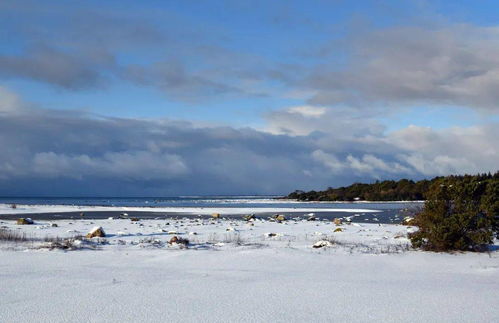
(389, 212)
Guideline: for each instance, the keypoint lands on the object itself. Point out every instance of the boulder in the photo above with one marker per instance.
(134, 219)
(337, 221)
(408, 220)
(22, 221)
(279, 217)
(322, 244)
(180, 241)
(215, 215)
(312, 218)
(54, 225)
(250, 217)
(96, 232)
(338, 230)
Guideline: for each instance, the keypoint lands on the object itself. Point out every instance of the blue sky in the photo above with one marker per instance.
(342, 72)
(280, 34)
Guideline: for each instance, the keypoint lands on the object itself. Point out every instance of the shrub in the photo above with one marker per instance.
(459, 214)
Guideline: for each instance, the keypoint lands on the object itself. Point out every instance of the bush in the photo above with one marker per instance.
(460, 214)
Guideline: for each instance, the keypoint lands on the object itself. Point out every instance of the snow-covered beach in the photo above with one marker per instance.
(234, 270)
(28, 209)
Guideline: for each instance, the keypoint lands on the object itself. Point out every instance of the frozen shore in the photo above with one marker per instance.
(234, 271)
(28, 209)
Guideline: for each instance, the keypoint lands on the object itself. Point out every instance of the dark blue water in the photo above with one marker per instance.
(199, 201)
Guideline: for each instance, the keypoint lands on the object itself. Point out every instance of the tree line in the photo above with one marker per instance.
(460, 212)
(389, 190)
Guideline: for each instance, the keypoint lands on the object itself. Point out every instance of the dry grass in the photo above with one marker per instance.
(48, 242)
(13, 236)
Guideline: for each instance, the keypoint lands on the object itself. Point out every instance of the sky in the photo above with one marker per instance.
(165, 98)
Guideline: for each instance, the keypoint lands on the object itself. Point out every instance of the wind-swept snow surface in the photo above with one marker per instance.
(235, 271)
(26, 209)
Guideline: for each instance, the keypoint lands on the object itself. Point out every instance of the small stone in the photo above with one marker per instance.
(279, 217)
(179, 241)
(408, 220)
(250, 217)
(22, 221)
(96, 232)
(322, 244)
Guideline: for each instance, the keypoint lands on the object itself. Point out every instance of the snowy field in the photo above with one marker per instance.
(238, 271)
(29, 209)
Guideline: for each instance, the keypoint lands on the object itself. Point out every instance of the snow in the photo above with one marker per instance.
(262, 272)
(24, 209)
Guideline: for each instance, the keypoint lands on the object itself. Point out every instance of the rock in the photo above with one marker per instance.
(96, 232)
(215, 215)
(54, 225)
(322, 244)
(408, 220)
(134, 219)
(22, 221)
(250, 217)
(279, 217)
(338, 230)
(311, 218)
(337, 221)
(179, 241)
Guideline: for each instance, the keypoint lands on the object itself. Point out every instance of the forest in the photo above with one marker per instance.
(388, 190)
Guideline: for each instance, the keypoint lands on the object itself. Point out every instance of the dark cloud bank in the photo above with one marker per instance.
(47, 152)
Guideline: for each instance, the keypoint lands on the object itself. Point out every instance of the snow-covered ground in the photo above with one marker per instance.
(27, 209)
(235, 271)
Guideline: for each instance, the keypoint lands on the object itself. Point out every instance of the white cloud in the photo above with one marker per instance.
(453, 64)
(9, 101)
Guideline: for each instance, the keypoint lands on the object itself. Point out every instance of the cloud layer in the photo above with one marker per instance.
(454, 64)
(78, 154)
